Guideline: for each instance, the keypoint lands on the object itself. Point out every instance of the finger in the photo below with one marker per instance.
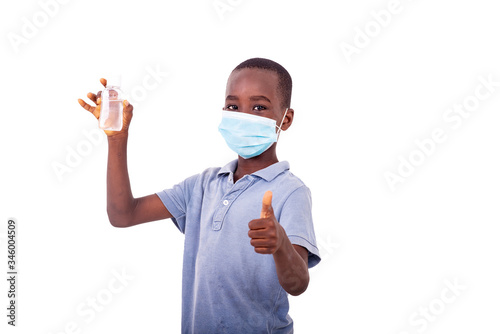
(127, 107)
(98, 101)
(85, 105)
(92, 97)
(257, 234)
(260, 243)
(266, 204)
(258, 224)
(103, 81)
(263, 250)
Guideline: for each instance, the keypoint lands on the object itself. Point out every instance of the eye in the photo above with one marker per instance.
(231, 107)
(259, 107)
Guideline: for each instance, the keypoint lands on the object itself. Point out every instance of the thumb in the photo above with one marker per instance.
(127, 107)
(267, 209)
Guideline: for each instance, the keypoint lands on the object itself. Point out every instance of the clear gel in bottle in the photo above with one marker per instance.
(111, 117)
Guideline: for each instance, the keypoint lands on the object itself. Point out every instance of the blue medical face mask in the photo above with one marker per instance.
(248, 135)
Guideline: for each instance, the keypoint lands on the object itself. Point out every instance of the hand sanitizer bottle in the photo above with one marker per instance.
(111, 117)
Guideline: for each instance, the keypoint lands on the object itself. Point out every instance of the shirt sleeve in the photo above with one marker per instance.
(176, 200)
(296, 219)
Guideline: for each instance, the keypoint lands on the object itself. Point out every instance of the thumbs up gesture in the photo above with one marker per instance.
(266, 234)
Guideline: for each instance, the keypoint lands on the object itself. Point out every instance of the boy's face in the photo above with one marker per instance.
(254, 91)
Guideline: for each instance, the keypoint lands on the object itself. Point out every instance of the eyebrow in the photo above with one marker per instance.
(252, 98)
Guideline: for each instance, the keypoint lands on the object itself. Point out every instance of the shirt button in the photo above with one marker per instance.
(226, 202)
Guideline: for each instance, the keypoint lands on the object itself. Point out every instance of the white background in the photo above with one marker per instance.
(387, 255)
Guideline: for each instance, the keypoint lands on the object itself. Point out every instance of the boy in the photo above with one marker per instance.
(230, 282)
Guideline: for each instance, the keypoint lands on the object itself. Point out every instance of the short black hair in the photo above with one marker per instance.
(284, 78)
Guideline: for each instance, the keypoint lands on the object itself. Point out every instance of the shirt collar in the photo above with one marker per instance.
(268, 173)
(229, 168)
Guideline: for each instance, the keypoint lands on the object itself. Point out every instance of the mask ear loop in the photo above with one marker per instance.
(281, 124)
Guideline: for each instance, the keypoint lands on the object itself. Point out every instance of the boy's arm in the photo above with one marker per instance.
(291, 267)
(269, 237)
(123, 209)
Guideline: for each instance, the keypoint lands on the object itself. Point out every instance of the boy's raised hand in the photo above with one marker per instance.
(96, 111)
(266, 233)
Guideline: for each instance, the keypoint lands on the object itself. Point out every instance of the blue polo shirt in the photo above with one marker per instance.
(226, 286)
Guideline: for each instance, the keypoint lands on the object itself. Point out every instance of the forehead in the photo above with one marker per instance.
(252, 81)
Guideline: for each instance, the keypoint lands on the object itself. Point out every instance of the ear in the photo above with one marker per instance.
(287, 122)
